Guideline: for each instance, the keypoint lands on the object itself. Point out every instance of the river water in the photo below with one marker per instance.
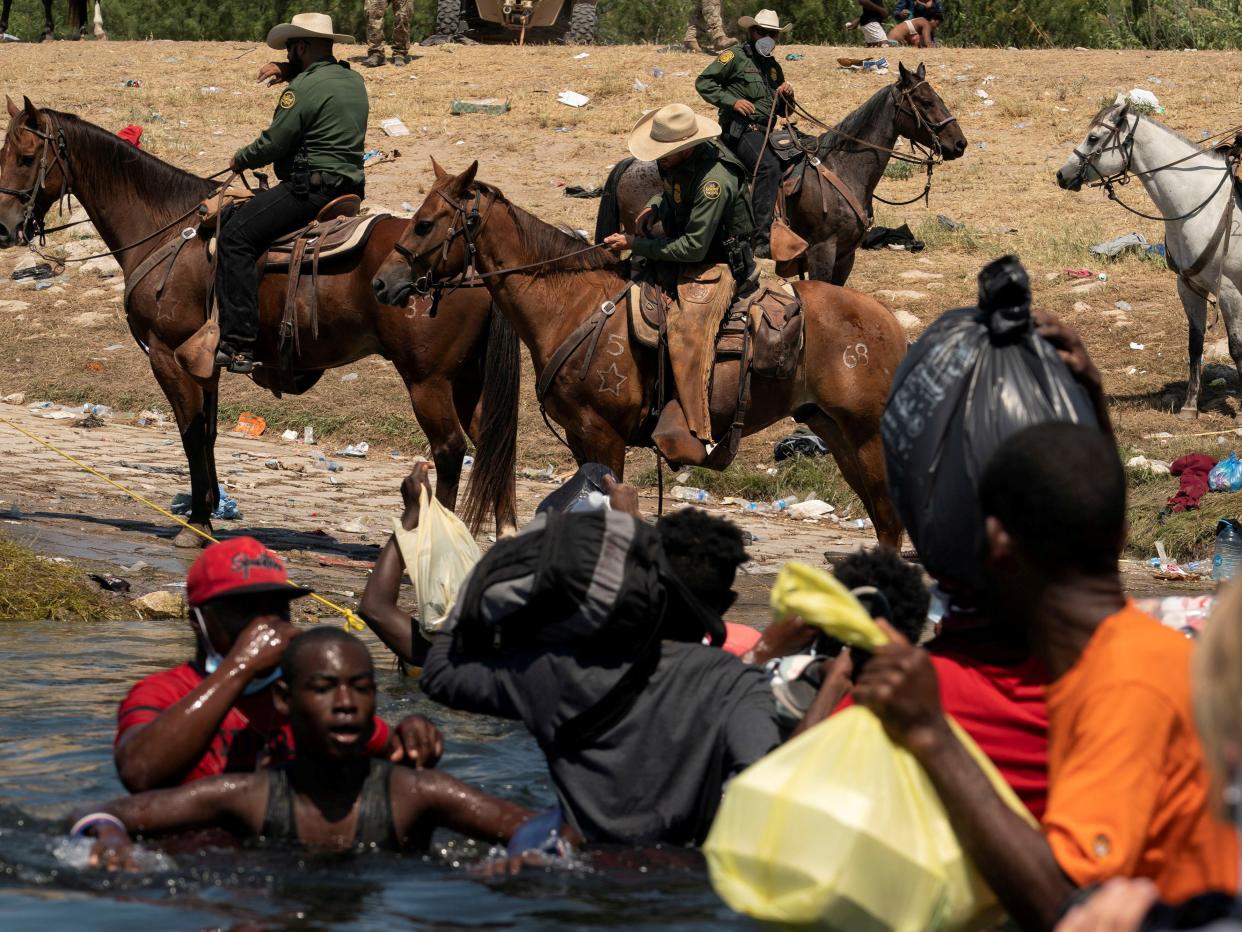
(59, 688)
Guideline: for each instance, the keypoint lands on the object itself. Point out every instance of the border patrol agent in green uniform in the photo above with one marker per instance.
(746, 82)
(704, 210)
(315, 143)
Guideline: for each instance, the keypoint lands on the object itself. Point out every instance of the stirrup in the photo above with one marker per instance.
(241, 363)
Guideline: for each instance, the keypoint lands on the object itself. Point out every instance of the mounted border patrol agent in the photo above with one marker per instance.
(704, 212)
(315, 142)
(747, 84)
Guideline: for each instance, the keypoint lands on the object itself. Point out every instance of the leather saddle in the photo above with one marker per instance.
(336, 231)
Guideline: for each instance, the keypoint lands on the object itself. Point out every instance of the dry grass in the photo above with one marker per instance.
(34, 587)
(1002, 190)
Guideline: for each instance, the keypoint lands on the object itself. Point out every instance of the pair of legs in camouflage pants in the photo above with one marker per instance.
(400, 26)
(706, 28)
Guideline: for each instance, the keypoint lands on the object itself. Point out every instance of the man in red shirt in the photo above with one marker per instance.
(215, 714)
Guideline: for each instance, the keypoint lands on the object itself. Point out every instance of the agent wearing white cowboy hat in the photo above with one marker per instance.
(747, 83)
(315, 144)
(704, 212)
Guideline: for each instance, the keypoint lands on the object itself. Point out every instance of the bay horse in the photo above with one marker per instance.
(857, 150)
(1194, 194)
(460, 366)
(549, 283)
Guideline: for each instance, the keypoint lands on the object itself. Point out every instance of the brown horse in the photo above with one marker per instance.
(549, 283)
(857, 151)
(460, 366)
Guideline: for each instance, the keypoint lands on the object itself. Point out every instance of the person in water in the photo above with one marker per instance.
(333, 795)
(215, 714)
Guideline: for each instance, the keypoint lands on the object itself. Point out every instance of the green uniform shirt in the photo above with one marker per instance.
(323, 113)
(703, 203)
(741, 73)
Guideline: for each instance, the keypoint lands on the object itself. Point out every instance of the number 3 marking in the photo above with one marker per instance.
(855, 355)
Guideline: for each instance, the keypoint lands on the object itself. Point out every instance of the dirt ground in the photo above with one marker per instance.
(198, 102)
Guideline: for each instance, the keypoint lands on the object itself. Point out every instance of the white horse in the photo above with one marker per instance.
(1194, 195)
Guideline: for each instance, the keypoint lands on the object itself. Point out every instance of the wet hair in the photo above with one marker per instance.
(1060, 491)
(295, 659)
(900, 583)
(705, 552)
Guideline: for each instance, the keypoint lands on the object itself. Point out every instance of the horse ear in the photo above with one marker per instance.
(14, 110)
(30, 108)
(922, 72)
(903, 72)
(441, 174)
(466, 178)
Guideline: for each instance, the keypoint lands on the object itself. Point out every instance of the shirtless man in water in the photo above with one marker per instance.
(333, 795)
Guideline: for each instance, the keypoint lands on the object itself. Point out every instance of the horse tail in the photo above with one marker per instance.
(608, 220)
(492, 484)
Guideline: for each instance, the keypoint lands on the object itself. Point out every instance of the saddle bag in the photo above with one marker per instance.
(777, 318)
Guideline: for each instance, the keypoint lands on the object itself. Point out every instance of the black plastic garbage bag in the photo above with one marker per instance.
(975, 377)
(800, 443)
(583, 491)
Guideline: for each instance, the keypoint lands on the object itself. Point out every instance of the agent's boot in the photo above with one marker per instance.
(673, 439)
(374, 60)
(241, 362)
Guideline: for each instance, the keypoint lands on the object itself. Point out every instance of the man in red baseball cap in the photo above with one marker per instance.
(215, 714)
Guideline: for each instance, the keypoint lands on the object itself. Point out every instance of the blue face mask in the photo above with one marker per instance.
(212, 660)
(765, 46)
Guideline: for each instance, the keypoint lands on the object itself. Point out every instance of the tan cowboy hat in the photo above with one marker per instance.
(667, 130)
(764, 19)
(305, 26)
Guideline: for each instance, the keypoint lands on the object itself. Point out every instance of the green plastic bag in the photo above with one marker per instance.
(839, 828)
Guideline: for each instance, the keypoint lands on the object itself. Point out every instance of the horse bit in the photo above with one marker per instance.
(32, 225)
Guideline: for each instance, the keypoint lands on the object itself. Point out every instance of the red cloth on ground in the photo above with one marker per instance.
(132, 134)
(1193, 469)
(251, 733)
(998, 699)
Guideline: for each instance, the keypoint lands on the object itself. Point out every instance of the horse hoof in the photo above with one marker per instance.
(1188, 413)
(188, 540)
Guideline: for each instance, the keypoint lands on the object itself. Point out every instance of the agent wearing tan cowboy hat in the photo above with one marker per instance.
(315, 143)
(704, 212)
(747, 83)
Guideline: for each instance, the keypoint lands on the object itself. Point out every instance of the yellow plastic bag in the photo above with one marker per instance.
(438, 555)
(840, 829)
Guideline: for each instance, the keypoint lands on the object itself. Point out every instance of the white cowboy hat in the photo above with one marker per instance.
(764, 19)
(669, 129)
(305, 26)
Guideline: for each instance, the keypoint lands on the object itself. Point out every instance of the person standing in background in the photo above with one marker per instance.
(706, 23)
(401, 10)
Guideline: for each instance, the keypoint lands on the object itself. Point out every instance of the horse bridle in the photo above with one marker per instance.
(904, 95)
(54, 145)
(469, 220)
(1115, 143)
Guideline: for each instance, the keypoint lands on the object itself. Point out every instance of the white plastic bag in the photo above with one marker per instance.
(439, 554)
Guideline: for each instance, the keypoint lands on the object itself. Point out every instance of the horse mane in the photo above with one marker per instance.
(116, 167)
(856, 123)
(545, 240)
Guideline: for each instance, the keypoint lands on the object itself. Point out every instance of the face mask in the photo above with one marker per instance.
(212, 661)
(765, 46)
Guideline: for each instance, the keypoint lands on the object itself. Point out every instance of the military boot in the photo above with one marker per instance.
(374, 60)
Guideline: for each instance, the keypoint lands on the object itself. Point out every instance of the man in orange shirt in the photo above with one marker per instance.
(1128, 789)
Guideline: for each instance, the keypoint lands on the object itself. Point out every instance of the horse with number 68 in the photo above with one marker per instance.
(1193, 190)
(549, 283)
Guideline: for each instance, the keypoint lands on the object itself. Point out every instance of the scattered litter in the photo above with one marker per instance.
(1123, 306)
(209, 89)
(684, 493)
(547, 474)
(858, 524)
(640, 86)
(226, 510)
(371, 155)
(656, 72)
(1159, 467)
(8, 37)
(1119, 244)
(981, 145)
(88, 422)
(52, 411)
(562, 129)
(289, 435)
(324, 463)
(794, 56)
(582, 55)
(811, 510)
(16, 398)
(577, 190)
(494, 106)
(682, 477)
(989, 102)
(799, 443)
(1078, 273)
(111, 583)
(132, 82)
(354, 526)
(1137, 346)
(96, 410)
(1146, 98)
(949, 223)
(981, 94)
(573, 99)
(308, 434)
(273, 463)
(249, 425)
(350, 377)
(394, 127)
(359, 449)
(113, 348)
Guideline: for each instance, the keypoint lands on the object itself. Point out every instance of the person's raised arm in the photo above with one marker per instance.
(1073, 353)
(379, 608)
(899, 685)
(446, 802)
(160, 752)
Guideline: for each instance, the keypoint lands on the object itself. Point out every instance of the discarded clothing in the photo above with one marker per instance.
(1193, 470)
(1119, 244)
(879, 237)
(799, 443)
(132, 134)
(226, 510)
(577, 190)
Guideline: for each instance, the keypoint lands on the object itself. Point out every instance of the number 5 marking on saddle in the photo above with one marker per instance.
(855, 355)
(615, 343)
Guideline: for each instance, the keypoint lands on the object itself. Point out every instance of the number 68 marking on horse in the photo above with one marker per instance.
(855, 355)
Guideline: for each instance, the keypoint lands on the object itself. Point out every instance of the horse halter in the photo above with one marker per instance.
(54, 145)
(466, 225)
(904, 102)
(1113, 142)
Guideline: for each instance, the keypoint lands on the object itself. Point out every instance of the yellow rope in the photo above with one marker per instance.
(352, 621)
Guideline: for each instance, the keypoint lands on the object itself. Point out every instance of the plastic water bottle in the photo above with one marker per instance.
(782, 503)
(684, 493)
(756, 508)
(1227, 557)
